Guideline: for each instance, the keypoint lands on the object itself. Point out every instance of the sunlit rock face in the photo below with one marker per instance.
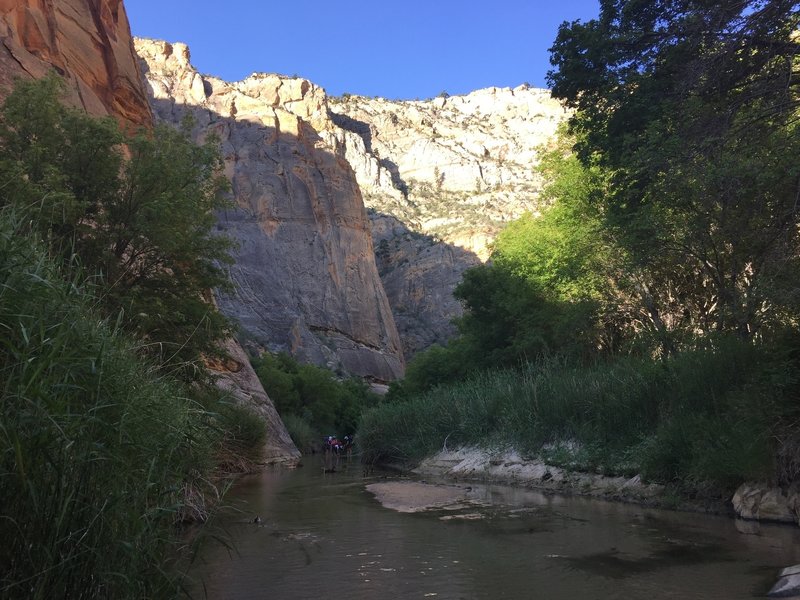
(456, 168)
(88, 42)
(440, 179)
(305, 276)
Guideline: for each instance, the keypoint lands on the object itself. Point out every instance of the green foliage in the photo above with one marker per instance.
(242, 435)
(431, 367)
(691, 108)
(97, 450)
(102, 448)
(708, 415)
(306, 438)
(138, 216)
(313, 394)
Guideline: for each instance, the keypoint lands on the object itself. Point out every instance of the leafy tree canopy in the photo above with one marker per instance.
(136, 211)
(692, 107)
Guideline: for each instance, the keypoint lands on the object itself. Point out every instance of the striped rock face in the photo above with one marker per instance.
(88, 42)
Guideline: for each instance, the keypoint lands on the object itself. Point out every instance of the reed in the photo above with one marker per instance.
(100, 455)
(705, 415)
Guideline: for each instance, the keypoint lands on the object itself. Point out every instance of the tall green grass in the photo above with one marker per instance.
(707, 415)
(99, 454)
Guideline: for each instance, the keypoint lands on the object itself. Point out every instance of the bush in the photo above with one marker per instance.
(306, 438)
(313, 395)
(140, 221)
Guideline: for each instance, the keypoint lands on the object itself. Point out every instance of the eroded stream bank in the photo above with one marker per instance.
(323, 534)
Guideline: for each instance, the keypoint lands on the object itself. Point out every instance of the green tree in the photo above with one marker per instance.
(691, 108)
(313, 394)
(136, 212)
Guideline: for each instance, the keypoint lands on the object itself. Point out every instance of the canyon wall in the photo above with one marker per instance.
(304, 275)
(87, 42)
(441, 178)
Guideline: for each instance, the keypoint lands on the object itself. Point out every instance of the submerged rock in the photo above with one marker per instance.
(788, 586)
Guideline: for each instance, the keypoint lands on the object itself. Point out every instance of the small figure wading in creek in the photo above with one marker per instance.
(347, 446)
(333, 449)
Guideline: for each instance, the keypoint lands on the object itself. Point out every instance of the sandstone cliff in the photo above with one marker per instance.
(456, 167)
(237, 377)
(305, 274)
(88, 42)
(441, 178)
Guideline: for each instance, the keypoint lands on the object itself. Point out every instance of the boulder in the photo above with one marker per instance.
(236, 376)
(761, 502)
(786, 587)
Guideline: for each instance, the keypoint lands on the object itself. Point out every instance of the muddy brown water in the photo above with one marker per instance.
(324, 536)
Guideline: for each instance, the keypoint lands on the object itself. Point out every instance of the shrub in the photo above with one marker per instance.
(313, 394)
(707, 415)
(97, 449)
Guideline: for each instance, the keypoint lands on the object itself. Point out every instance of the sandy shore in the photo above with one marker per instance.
(415, 496)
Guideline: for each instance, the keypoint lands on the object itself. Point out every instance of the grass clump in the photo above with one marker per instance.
(305, 437)
(703, 416)
(97, 450)
(110, 428)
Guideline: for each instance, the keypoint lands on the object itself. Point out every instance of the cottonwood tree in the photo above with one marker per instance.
(692, 107)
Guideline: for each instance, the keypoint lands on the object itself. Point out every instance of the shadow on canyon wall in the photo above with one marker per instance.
(363, 130)
(307, 278)
(419, 273)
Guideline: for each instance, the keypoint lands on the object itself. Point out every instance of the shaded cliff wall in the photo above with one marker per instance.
(305, 276)
(441, 178)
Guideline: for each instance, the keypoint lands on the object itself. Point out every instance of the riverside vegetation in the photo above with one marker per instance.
(312, 402)
(646, 322)
(110, 430)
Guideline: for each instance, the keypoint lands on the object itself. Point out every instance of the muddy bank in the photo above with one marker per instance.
(510, 468)
(752, 501)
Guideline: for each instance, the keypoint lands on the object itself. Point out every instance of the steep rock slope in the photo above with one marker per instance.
(305, 274)
(88, 42)
(237, 376)
(441, 178)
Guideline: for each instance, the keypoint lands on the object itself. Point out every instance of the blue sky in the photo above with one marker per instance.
(407, 49)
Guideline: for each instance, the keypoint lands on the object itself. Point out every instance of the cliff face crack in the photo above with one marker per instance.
(16, 59)
(332, 330)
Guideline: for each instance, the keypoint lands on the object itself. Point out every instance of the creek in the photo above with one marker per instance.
(324, 535)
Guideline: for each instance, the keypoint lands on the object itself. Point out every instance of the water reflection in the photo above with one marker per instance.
(323, 534)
